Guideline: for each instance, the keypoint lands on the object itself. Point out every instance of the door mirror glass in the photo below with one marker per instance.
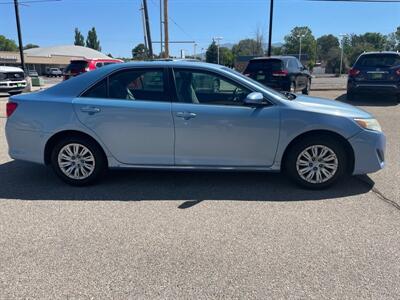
(254, 98)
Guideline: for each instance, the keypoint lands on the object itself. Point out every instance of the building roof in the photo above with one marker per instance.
(66, 50)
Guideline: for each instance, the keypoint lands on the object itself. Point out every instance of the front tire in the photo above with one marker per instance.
(316, 162)
(78, 161)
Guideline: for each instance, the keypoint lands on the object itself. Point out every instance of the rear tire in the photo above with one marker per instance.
(292, 87)
(78, 161)
(316, 162)
(306, 90)
(350, 95)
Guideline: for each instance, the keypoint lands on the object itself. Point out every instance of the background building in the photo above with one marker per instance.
(49, 57)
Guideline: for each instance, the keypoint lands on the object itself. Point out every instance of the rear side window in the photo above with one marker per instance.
(99, 90)
(264, 65)
(76, 66)
(378, 60)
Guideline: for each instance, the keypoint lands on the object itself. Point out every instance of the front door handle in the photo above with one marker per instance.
(90, 110)
(185, 115)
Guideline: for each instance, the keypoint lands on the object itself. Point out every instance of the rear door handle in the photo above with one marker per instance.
(186, 115)
(90, 109)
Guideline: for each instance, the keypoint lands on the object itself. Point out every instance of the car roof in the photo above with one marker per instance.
(380, 52)
(273, 57)
(10, 69)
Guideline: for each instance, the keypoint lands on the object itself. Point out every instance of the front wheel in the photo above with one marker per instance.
(316, 162)
(78, 161)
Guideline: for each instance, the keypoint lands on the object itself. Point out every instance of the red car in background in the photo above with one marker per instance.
(79, 66)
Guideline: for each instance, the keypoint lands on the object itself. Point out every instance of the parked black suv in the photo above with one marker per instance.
(375, 72)
(283, 73)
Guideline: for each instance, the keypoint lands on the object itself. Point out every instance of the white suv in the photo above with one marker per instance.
(12, 80)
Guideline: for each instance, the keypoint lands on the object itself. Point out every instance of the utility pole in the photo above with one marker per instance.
(341, 52)
(271, 16)
(144, 27)
(21, 50)
(166, 35)
(161, 29)
(218, 40)
(146, 16)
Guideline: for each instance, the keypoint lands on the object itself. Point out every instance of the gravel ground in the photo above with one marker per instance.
(141, 235)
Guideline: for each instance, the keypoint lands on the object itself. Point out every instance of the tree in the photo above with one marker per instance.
(248, 47)
(92, 41)
(7, 44)
(308, 43)
(140, 52)
(226, 57)
(79, 38)
(30, 46)
(328, 51)
(212, 53)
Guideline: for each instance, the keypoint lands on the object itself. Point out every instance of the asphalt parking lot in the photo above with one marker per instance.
(145, 234)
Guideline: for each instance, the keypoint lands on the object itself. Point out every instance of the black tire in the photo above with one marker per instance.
(15, 93)
(292, 87)
(290, 163)
(351, 96)
(100, 161)
(306, 90)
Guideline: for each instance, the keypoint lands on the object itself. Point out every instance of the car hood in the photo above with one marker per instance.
(332, 107)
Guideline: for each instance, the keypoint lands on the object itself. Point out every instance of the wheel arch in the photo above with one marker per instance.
(325, 133)
(54, 139)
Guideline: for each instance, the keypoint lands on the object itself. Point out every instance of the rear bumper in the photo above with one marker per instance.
(387, 87)
(369, 151)
(25, 145)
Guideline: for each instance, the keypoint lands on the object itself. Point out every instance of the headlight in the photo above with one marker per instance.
(370, 124)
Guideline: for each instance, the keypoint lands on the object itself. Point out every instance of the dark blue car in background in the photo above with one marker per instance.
(375, 72)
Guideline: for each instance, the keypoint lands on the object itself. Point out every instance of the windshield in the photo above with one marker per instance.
(266, 89)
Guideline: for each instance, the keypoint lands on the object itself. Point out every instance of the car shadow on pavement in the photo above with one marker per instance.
(26, 181)
(369, 100)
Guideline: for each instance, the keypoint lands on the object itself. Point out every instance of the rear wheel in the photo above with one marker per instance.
(306, 90)
(292, 87)
(316, 162)
(78, 161)
(350, 95)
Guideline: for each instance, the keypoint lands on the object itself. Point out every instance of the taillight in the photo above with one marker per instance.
(353, 72)
(280, 73)
(398, 72)
(10, 108)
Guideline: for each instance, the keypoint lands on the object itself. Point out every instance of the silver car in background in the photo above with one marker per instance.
(190, 116)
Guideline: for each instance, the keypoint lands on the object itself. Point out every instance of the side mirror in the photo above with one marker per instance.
(254, 99)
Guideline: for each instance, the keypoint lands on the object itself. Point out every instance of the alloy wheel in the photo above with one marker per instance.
(317, 164)
(76, 161)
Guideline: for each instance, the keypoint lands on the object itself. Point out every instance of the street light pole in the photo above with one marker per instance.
(300, 36)
(218, 40)
(21, 50)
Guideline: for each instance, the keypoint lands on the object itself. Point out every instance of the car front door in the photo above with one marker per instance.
(213, 127)
(130, 112)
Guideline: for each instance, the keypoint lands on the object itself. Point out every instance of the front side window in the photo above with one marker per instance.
(199, 87)
(138, 85)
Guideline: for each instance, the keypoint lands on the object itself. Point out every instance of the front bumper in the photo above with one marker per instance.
(369, 151)
(12, 86)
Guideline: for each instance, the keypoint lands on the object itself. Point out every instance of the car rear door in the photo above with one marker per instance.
(214, 128)
(130, 112)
